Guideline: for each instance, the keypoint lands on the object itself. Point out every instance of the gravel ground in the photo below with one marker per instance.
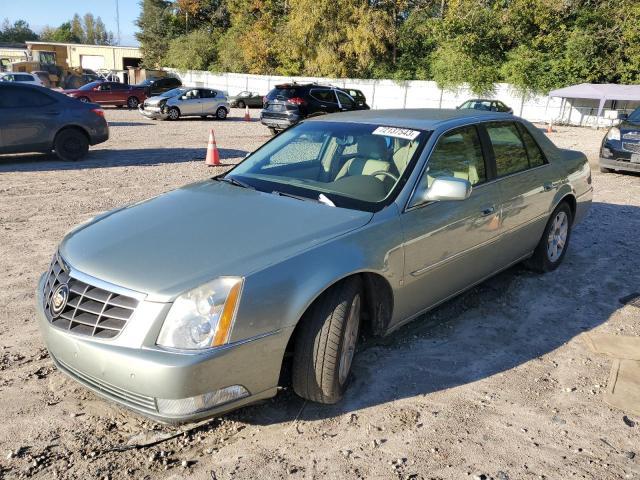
(494, 384)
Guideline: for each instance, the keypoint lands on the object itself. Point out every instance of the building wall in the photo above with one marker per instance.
(13, 53)
(113, 57)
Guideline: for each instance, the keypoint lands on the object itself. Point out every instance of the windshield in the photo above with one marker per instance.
(89, 86)
(174, 92)
(354, 165)
(634, 116)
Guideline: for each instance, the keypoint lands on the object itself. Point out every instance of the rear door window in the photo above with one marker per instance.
(208, 93)
(323, 95)
(508, 148)
(345, 100)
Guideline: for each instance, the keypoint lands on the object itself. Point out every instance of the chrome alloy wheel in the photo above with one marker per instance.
(557, 236)
(349, 340)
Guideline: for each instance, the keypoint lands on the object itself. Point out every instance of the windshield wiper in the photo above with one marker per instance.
(234, 181)
(297, 197)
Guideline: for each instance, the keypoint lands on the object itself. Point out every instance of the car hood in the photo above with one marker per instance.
(627, 126)
(171, 243)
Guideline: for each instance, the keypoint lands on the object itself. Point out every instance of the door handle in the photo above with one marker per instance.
(488, 211)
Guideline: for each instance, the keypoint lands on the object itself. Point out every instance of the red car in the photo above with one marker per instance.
(110, 93)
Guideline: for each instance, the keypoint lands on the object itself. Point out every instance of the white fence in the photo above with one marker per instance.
(384, 94)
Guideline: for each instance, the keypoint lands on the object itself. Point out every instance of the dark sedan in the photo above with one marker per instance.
(155, 86)
(246, 99)
(621, 146)
(36, 119)
(487, 105)
(110, 93)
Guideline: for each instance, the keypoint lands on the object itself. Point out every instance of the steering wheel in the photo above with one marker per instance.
(385, 173)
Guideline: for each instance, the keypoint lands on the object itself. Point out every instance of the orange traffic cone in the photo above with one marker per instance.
(213, 157)
(247, 116)
(550, 128)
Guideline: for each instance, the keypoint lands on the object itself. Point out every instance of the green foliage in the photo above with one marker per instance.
(88, 30)
(63, 34)
(196, 50)
(536, 45)
(19, 32)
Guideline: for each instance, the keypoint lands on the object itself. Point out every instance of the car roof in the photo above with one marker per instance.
(418, 118)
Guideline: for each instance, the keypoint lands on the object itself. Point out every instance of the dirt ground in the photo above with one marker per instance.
(494, 384)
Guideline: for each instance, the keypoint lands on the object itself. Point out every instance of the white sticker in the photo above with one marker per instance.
(405, 133)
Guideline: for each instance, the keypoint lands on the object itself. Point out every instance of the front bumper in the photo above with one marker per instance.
(152, 112)
(136, 377)
(616, 164)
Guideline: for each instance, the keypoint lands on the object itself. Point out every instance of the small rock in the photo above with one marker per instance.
(185, 464)
(481, 476)
(9, 455)
(630, 455)
(570, 389)
(628, 422)
(292, 470)
(502, 476)
(152, 457)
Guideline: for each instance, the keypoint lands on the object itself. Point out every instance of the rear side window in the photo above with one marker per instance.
(508, 149)
(345, 100)
(536, 157)
(15, 97)
(21, 77)
(173, 82)
(323, 95)
(208, 93)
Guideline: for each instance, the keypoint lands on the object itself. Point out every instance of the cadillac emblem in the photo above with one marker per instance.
(59, 299)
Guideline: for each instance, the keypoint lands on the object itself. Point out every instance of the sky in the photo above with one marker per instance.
(38, 13)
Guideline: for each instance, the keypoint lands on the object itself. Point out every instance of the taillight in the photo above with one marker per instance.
(297, 101)
(98, 111)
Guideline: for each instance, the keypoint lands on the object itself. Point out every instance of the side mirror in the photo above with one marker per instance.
(622, 116)
(448, 188)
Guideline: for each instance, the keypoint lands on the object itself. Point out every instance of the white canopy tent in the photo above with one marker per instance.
(599, 91)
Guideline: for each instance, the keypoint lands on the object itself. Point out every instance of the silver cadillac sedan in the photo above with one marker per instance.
(184, 306)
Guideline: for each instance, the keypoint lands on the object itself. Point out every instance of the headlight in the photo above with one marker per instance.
(203, 317)
(613, 133)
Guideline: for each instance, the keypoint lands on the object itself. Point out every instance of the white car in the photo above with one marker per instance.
(187, 102)
(21, 77)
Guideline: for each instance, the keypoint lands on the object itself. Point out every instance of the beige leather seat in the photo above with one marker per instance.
(371, 157)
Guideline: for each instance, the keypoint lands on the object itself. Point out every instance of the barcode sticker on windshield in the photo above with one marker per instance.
(397, 132)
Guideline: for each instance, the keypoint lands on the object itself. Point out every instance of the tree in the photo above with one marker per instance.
(195, 51)
(19, 32)
(156, 30)
(63, 33)
(89, 26)
(102, 36)
(76, 28)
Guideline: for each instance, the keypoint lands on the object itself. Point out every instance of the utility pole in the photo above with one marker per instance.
(118, 20)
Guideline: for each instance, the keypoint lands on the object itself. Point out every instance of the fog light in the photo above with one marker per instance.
(187, 406)
(606, 152)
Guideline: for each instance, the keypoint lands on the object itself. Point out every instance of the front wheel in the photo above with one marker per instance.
(221, 113)
(326, 341)
(274, 131)
(241, 104)
(173, 113)
(84, 99)
(553, 245)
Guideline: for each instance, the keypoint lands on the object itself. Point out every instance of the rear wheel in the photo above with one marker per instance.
(173, 113)
(221, 113)
(71, 145)
(326, 342)
(241, 104)
(84, 99)
(553, 245)
(133, 102)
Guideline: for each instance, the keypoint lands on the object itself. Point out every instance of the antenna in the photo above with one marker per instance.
(118, 20)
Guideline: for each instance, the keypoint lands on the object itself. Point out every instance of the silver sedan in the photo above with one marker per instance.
(184, 306)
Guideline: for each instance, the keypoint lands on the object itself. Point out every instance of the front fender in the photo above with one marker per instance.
(277, 296)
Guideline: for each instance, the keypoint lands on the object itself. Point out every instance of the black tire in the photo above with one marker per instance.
(71, 145)
(274, 131)
(541, 260)
(221, 113)
(605, 170)
(133, 102)
(84, 99)
(173, 113)
(320, 343)
(241, 104)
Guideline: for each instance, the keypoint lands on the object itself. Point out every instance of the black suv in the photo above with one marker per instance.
(287, 104)
(156, 86)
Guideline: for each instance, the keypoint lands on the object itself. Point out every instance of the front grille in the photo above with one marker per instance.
(89, 310)
(631, 147)
(116, 393)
